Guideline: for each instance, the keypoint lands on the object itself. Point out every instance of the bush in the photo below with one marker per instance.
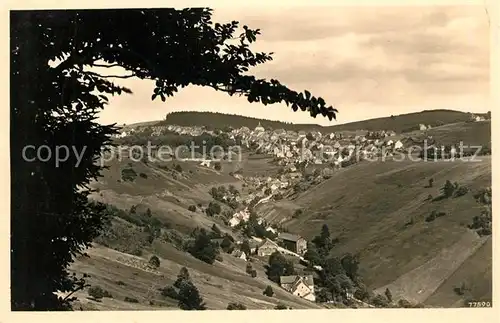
(297, 213)
(217, 166)
(461, 191)
(154, 261)
(192, 208)
(434, 215)
(131, 299)
(461, 289)
(189, 297)
(170, 292)
(379, 301)
(362, 293)
(128, 174)
(404, 303)
(253, 273)
(98, 293)
(448, 189)
(249, 268)
(143, 175)
(213, 209)
(388, 294)
(268, 291)
(178, 168)
(182, 277)
(281, 306)
(236, 306)
(120, 283)
(203, 248)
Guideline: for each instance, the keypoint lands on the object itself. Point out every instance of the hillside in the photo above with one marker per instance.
(378, 210)
(123, 275)
(118, 260)
(398, 123)
(221, 120)
(405, 122)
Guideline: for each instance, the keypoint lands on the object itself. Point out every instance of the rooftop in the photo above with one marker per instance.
(289, 237)
(308, 279)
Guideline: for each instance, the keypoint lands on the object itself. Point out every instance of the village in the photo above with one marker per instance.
(293, 152)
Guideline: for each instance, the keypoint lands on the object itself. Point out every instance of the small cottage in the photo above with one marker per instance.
(267, 248)
(302, 286)
(239, 254)
(293, 242)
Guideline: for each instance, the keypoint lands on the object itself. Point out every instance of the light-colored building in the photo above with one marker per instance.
(293, 243)
(259, 128)
(267, 248)
(302, 286)
(239, 254)
(398, 145)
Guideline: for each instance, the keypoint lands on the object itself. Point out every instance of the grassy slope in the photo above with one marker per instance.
(166, 196)
(470, 133)
(475, 272)
(168, 199)
(367, 206)
(404, 121)
(219, 284)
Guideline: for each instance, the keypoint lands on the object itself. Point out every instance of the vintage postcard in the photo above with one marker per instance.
(320, 157)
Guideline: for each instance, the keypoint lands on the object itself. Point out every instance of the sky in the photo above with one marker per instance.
(366, 62)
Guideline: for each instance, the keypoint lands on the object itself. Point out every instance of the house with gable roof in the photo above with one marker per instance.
(302, 286)
(293, 242)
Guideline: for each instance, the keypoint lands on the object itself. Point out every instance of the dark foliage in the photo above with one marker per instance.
(182, 277)
(131, 300)
(203, 248)
(97, 293)
(236, 306)
(434, 215)
(281, 306)
(154, 261)
(213, 209)
(128, 175)
(279, 266)
(268, 291)
(189, 297)
(388, 295)
(173, 48)
(170, 292)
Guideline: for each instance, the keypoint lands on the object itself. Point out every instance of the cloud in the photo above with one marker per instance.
(365, 61)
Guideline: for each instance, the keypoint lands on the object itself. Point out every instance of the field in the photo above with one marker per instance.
(378, 211)
(123, 275)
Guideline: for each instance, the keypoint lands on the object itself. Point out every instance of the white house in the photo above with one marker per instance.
(302, 286)
(205, 163)
(239, 254)
(259, 128)
(398, 145)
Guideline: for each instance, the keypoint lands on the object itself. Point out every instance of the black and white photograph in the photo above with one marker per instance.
(197, 158)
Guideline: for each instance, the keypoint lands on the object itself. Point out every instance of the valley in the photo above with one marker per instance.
(383, 212)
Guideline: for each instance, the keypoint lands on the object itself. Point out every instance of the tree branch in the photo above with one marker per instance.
(107, 66)
(111, 76)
